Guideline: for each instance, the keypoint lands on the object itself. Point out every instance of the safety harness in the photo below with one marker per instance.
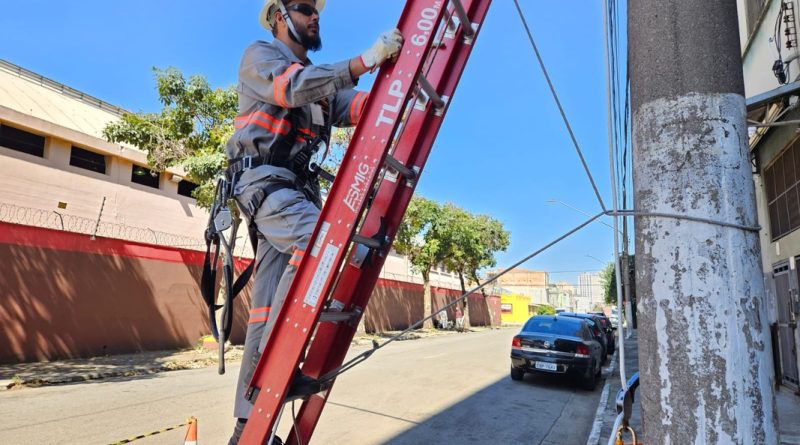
(221, 218)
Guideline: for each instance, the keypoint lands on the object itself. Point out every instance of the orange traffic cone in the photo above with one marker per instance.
(191, 432)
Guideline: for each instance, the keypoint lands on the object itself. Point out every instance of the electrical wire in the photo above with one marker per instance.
(614, 202)
(375, 345)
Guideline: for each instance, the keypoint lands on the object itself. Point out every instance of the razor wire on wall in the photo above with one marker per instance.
(51, 219)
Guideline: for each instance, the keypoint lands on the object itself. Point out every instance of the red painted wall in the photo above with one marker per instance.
(63, 295)
(395, 305)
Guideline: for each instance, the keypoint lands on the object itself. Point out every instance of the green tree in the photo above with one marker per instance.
(469, 243)
(418, 238)
(190, 131)
(545, 309)
(609, 277)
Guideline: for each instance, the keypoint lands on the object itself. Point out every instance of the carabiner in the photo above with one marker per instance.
(630, 431)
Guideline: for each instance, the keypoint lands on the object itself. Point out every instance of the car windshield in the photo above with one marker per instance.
(554, 325)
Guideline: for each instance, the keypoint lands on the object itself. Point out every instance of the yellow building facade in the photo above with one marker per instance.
(515, 308)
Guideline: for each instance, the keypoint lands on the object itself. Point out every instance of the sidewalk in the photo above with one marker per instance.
(788, 403)
(128, 365)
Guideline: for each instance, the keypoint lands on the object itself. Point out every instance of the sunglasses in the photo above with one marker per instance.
(303, 8)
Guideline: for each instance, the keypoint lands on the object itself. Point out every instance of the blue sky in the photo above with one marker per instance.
(503, 149)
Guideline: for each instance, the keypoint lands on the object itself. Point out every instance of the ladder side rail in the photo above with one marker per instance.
(344, 207)
(329, 347)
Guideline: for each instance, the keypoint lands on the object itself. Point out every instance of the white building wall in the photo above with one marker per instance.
(759, 51)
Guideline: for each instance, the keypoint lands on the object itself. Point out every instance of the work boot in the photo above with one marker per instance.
(303, 385)
(239, 428)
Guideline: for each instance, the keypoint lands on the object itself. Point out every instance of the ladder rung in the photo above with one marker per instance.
(433, 96)
(336, 317)
(369, 242)
(398, 166)
(462, 16)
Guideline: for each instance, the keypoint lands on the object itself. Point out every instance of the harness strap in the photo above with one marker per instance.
(252, 206)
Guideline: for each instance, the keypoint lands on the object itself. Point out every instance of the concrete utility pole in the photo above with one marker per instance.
(705, 354)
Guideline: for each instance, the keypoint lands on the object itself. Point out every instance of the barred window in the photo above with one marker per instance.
(782, 185)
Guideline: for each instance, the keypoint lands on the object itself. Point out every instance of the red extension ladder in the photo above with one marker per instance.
(363, 210)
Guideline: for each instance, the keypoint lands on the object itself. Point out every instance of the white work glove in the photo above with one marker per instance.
(386, 47)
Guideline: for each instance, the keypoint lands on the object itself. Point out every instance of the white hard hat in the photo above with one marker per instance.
(264, 17)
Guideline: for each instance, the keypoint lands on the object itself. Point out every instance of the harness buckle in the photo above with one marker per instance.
(247, 163)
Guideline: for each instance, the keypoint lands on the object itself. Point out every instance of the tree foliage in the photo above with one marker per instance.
(609, 277)
(447, 235)
(418, 235)
(190, 131)
(545, 309)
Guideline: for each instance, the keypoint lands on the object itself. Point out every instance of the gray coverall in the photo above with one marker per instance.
(273, 82)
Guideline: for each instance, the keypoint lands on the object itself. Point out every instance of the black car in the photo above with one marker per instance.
(557, 345)
(602, 330)
(609, 329)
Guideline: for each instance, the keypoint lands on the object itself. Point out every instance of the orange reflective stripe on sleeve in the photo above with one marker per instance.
(297, 256)
(280, 84)
(259, 314)
(357, 106)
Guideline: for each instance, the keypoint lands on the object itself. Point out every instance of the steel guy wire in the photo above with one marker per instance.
(375, 345)
(714, 222)
(560, 108)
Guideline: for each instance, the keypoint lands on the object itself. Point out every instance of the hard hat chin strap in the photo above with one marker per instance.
(292, 31)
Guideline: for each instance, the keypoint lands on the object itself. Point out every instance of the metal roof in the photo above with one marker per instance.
(35, 95)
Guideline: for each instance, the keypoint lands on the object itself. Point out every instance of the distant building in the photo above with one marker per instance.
(561, 295)
(531, 283)
(590, 291)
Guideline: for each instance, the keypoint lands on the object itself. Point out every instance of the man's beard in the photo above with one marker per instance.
(309, 41)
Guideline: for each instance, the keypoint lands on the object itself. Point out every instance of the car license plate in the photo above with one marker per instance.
(545, 365)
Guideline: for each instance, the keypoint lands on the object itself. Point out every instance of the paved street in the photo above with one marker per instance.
(453, 388)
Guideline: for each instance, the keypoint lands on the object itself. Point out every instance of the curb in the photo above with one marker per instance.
(6, 385)
(597, 424)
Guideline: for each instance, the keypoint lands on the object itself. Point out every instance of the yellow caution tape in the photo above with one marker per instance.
(142, 436)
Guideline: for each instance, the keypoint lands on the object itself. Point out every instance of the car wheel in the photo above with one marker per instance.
(517, 374)
(589, 381)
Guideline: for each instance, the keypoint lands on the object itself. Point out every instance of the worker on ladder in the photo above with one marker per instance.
(287, 106)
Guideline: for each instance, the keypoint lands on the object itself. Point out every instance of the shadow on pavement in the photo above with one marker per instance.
(542, 409)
